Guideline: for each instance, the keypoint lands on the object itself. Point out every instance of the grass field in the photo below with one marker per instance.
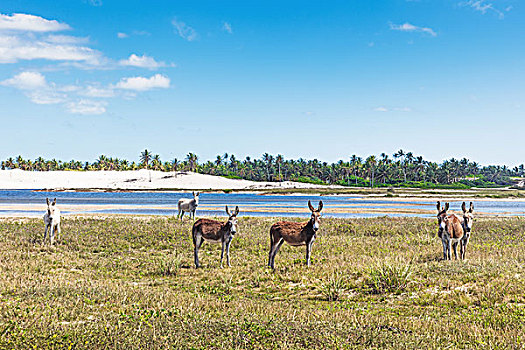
(374, 283)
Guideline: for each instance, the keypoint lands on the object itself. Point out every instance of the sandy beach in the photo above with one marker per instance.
(133, 180)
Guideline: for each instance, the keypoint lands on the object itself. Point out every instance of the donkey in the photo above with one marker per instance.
(188, 205)
(215, 232)
(450, 231)
(52, 221)
(295, 234)
(468, 219)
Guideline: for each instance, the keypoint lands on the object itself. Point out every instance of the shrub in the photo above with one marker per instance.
(389, 278)
(333, 288)
(169, 266)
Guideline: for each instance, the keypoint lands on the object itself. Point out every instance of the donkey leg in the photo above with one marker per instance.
(464, 252)
(52, 234)
(270, 255)
(222, 251)
(444, 249)
(197, 243)
(309, 251)
(279, 244)
(228, 251)
(58, 232)
(45, 234)
(273, 251)
(455, 248)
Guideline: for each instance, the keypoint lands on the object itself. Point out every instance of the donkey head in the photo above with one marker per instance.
(468, 217)
(316, 215)
(196, 197)
(51, 208)
(442, 216)
(232, 220)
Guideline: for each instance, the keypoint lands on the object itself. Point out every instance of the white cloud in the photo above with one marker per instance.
(227, 27)
(142, 62)
(403, 109)
(87, 107)
(407, 27)
(16, 48)
(30, 23)
(392, 109)
(483, 6)
(95, 2)
(26, 81)
(96, 91)
(35, 87)
(22, 38)
(143, 83)
(122, 35)
(184, 31)
(65, 39)
(46, 96)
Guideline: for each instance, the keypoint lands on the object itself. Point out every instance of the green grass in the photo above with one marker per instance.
(374, 283)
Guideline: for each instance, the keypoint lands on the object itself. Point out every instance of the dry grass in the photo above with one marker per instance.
(374, 283)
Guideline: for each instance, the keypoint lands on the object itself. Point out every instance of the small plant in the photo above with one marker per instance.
(389, 278)
(333, 288)
(170, 265)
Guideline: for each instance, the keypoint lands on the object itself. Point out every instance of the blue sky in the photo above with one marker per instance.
(314, 79)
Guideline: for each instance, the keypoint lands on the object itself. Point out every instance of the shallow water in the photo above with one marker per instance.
(32, 203)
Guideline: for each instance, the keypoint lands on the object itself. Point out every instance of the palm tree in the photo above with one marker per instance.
(192, 158)
(145, 157)
(279, 162)
(175, 164)
(268, 160)
(371, 163)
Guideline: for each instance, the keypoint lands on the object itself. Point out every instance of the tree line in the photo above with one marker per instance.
(400, 169)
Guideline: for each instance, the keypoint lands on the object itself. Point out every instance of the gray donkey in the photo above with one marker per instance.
(52, 221)
(188, 205)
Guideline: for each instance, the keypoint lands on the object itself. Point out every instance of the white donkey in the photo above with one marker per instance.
(52, 221)
(188, 205)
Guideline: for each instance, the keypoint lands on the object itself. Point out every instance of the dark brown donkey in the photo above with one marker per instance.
(295, 234)
(468, 219)
(215, 232)
(450, 231)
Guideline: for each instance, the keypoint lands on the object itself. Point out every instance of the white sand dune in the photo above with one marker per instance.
(137, 179)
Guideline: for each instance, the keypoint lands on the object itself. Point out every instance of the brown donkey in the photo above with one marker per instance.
(215, 232)
(450, 231)
(295, 234)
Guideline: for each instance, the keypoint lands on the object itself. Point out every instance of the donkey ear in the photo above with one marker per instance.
(446, 206)
(310, 206)
(320, 206)
(193, 194)
(463, 207)
(47, 201)
(236, 210)
(471, 207)
(438, 206)
(54, 201)
(227, 211)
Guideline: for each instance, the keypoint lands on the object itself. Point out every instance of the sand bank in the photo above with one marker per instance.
(133, 180)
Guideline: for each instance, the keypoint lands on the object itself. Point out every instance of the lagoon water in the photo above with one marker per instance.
(32, 203)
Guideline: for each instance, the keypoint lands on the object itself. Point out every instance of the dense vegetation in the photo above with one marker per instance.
(402, 170)
(129, 283)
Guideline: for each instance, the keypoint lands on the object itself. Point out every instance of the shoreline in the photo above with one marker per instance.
(411, 197)
(167, 182)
